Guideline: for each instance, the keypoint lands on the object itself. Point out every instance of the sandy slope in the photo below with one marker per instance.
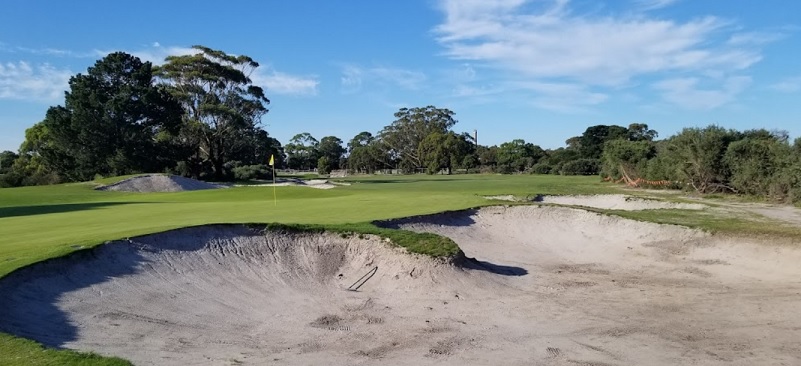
(549, 286)
(618, 202)
(159, 183)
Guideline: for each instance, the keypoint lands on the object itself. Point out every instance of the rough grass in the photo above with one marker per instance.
(22, 352)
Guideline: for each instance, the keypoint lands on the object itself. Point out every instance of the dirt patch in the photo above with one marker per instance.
(159, 183)
(547, 285)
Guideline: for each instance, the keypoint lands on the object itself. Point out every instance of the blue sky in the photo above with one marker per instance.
(540, 70)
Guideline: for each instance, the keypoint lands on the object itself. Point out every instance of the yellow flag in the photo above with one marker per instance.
(272, 161)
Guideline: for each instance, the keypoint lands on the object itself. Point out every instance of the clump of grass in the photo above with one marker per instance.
(18, 351)
(421, 243)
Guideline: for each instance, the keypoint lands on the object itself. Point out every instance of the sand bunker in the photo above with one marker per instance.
(549, 285)
(293, 182)
(618, 202)
(159, 183)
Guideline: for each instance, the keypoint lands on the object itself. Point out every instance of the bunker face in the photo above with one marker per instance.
(548, 285)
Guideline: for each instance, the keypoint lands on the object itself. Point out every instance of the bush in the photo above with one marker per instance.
(541, 168)
(324, 165)
(581, 167)
(250, 172)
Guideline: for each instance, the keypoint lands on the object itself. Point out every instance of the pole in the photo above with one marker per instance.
(275, 200)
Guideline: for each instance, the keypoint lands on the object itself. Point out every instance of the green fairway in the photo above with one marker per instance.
(37, 223)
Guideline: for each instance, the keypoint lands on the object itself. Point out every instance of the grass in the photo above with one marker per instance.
(421, 243)
(37, 223)
(715, 222)
(18, 351)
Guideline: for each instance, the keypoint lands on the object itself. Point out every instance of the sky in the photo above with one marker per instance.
(538, 70)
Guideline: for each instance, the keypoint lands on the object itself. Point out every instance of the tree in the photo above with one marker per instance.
(7, 159)
(518, 155)
(302, 152)
(446, 151)
(698, 155)
(753, 163)
(487, 156)
(222, 104)
(591, 142)
(624, 157)
(403, 137)
(109, 122)
(640, 132)
(362, 152)
(331, 148)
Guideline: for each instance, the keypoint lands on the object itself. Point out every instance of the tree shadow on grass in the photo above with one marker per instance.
(57, 208)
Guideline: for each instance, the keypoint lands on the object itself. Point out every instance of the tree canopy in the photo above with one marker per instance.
(222, 105)
(402, 138)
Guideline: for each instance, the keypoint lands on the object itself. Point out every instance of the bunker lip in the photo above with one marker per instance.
(547, 285)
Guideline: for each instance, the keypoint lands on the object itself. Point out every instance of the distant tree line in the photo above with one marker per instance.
(200, 116)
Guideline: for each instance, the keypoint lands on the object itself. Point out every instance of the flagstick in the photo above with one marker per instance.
(275, 200)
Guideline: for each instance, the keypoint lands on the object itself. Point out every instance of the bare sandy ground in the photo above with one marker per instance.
(619, 202)
(159, 183)
(293, 182)
(548, 286)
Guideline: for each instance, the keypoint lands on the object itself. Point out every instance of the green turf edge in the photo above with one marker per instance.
(766, 229)
(429, 244)
(23, 352)
(19, 351)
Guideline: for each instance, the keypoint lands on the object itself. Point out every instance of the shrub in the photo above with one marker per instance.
(581, 167)
(250, 172)
(541, 168)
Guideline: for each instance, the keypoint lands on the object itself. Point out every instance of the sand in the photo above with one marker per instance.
(548, 286)
(618, 202)
(159, 183)
(294, 182)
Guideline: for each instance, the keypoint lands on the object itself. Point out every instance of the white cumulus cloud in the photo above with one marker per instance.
(547, 40)
(689, 94)
(281, 83)
(23, 81)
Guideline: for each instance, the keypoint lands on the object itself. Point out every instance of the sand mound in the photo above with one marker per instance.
(549, 285)
(618, 202)
(159, 183)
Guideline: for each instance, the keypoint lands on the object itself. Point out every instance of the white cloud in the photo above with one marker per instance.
(280, 83)
(788, 85)
(686, 92)
(156, 53)
(22, 81)
(355, 77)
(654, 4)
(754, 38)
(552, 42)
(562, 97)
